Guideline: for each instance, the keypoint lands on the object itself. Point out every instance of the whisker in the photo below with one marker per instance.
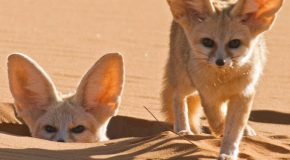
(200, 58)
(201, 53)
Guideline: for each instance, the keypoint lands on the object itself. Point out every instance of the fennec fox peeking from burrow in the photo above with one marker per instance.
(81, 117)
(217, 54)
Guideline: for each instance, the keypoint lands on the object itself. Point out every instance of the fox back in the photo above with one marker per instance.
(79, 117)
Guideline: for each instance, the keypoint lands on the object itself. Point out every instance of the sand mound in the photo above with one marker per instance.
(132, 138)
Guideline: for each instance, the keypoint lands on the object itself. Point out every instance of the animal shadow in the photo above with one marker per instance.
(267, 116)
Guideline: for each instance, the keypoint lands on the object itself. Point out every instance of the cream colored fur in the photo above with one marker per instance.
(192, 73)
(79, 117)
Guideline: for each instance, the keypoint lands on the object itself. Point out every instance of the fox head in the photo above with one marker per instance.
(224, 33)
(81, 117)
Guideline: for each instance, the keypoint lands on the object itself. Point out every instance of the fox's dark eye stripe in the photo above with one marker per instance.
(50, 129)
(78, 129)
(207, 42)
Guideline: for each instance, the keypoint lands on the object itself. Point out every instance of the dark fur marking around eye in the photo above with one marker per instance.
(234, 44)
(78, 129)
(207, 42)
(50, 129)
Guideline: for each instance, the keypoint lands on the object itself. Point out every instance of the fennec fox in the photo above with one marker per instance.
(81, 117)
(217, 54)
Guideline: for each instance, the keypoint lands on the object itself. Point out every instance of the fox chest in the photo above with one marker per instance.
(220, 87)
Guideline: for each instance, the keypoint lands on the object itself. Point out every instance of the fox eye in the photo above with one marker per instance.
(234, 44)
(78, 129)
(208, 43)
(50, 129)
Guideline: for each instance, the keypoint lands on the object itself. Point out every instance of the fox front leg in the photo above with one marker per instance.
(180, 110)
(214, 115)
(239, 109)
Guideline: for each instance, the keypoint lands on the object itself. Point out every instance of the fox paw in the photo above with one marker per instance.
(226, 157)
(249, 131)
(184, 133)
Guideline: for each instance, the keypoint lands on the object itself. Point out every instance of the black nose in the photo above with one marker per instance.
(60, 140)
(220, 62)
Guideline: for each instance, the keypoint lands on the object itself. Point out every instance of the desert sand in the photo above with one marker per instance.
(67, 37)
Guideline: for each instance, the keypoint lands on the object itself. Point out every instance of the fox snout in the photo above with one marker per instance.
(60, 140)
(220, 53)
(220, 62)
(220, 58)
(62, 136)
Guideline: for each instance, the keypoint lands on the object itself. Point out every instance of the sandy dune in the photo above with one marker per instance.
(67, 37)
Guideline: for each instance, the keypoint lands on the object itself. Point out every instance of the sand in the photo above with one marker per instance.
(67, 37)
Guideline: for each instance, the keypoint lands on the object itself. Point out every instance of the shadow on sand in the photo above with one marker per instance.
(267, 116)
(119, 127)
(126, 149)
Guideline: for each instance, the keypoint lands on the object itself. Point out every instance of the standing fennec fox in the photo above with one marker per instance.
(217, 54)
(81, 117)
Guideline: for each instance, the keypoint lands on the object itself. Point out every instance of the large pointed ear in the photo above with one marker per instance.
(99, 91)
(259, 15)
(31, 88)
(184, 10)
